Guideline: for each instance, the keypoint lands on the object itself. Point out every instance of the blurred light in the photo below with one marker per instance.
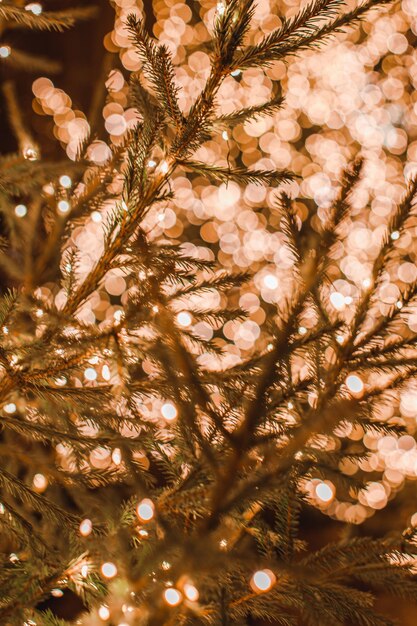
(109, 570)
(262, 580)
(169, 411)
(191, 592)
(145, 510)
(34, 7)
(354, 383)
(65, 181)
(20, 210)
(104, 612)
(63, 206)
(172, 596)
(86, 527)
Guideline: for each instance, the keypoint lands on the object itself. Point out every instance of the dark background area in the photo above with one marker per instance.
(81, 56)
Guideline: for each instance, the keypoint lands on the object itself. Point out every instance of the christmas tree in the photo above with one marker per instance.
(171, 446)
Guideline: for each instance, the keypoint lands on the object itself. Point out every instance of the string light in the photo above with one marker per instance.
(270, 281)
(40, 482)
(57, 593)
(220, 8)
(63, 206)
(65, 181)
(86, 527)
(354, 384)
(262, 580)
(172, 596)
(34, 7)
(191, 592)
(109, 570)
(10, 408)
(90, 373)
(104, 612)
(105, 372)
(145, 510)
(324, 492)
(169, 411)
(5, 51)
(164, 167)
(116, 456)
(30, 153)
(20, 210)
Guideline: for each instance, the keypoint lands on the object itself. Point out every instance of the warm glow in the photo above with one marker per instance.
(173, 597)
(109, 570)
(262, 580)
(145, 510)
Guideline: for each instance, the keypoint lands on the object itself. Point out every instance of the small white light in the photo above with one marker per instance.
(225, 135)
(395, 235)
(164, 167)
(116, 456)
(5, 52)
(20, 210)
(84, 571)
(302, 330)
(105, 372)
(165, 565)
(109, 570)
(34, 7)
(172, 596)
(39, 313)
(57, 593)
(191, 592)
(145, 510)
(399, 304)
(338, 300)
(354, 384)
(40, 482)
(10, 408)
(184, 319)
(169, 411)
(290, 406)
(340, 338)
(151, 163)
(262, 580)
(63, 206)
(235, 73)
(220, 8)
(324, 492)
(90, 373)
(65, 181)
(104, 613)
(30, 153)
(86, 527)
(366, 283)
(96, 217)
(270, 281)
(155, 308)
